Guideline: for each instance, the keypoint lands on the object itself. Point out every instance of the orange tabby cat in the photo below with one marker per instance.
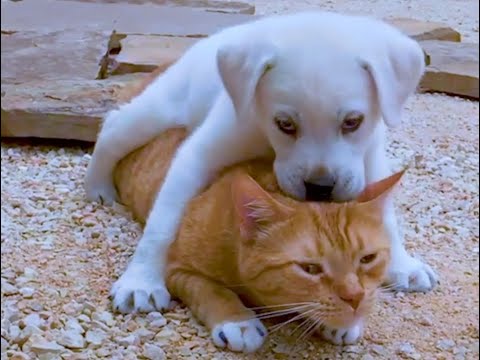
(242, 239)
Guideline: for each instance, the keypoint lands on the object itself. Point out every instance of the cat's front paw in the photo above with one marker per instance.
(342, 336)
(409, 274)
(140, 289)
(241, 336)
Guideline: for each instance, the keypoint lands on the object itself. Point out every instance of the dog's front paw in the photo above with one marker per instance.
(409, 274)
(99, 187)
(102, 193)
(140, 289)
(342, 336)
(241, 336)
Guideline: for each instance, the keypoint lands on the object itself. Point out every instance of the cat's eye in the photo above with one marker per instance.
(352, 122)
(367, 259)
(285, 124)
(312, 269)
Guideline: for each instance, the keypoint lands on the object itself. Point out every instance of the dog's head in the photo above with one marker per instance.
(320, 107)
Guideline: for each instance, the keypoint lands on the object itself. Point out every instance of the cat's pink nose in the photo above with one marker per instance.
(353, 299)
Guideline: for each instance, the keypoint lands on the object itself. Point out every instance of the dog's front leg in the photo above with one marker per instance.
(220, 141)
(405, 272)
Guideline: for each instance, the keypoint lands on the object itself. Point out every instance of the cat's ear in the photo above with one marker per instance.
(378, 194)
(254, 207)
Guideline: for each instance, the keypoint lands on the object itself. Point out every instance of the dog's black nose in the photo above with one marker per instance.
(319, 190)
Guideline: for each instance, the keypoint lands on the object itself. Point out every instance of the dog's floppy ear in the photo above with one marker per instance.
(241, 66)
(396, 75)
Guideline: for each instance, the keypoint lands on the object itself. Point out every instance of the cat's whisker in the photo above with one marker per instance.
(280, 305)
(310, 329)
(307, 327)
(295, 318)
(281, 312)
(301, 325)
(289, 321)
(383, 294)
(308, 319)
(389, 286)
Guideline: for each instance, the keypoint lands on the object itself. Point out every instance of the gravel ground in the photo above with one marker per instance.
(60, 254)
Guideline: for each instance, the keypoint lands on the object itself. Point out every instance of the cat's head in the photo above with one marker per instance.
(328, 259)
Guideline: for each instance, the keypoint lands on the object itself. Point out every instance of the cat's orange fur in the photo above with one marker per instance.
(239, 243)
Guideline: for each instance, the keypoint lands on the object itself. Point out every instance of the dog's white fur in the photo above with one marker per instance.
(228, 88)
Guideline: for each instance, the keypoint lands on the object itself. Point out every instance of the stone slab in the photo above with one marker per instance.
(453, 68)
(63, 109)
(230, 7)
(146, 53)
(425, 30)
(146, 19)
(68, 55)
(139, 53)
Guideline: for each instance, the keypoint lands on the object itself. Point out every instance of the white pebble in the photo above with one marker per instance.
(153, 352)
(32, 320)
(71, 339)
(95, 337)
(127, 340)
(8, 289)
(41, 346)
(104, 316)
(158, 324)
(73, 325)
(407, 350)
(27, 292)
(14, 333)
(445, 344)
(30, 273)
(72, 308)
(5, 345)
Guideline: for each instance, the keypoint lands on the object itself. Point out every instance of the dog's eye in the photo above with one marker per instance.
(286, 124)
(312, 269)
(367, 259)
(352, 122)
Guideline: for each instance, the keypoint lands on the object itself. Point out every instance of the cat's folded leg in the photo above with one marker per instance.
(342, 336)
(405, 273)
(232, 325)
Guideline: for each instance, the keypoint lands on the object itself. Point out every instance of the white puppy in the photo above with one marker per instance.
(311, 89)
